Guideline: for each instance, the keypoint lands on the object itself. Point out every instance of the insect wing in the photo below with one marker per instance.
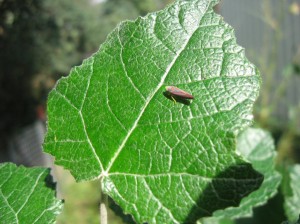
(179, 92)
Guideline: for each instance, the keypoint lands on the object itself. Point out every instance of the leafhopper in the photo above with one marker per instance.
(179, 93)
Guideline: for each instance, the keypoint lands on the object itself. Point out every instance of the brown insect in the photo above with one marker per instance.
(174, 91)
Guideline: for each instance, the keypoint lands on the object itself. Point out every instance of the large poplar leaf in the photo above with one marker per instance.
(27, 195)
(161, 162)
(258, 147)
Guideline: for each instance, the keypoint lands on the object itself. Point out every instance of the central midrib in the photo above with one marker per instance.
(148, 99)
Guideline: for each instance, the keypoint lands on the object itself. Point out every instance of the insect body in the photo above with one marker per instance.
(176, 92)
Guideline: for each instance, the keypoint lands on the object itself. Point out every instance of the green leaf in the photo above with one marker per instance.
(161, 162)
(291, 192)
(257, 146)
(27, 195)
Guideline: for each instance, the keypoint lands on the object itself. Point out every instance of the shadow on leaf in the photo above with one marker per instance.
(227, 189)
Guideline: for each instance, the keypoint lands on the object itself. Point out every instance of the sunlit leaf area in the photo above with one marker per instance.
(154, 111)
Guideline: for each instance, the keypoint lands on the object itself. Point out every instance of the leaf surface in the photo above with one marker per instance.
(291, 192)
(161, 162)
(257, 146)
(27, 195)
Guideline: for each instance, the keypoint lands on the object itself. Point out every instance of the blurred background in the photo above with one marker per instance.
(40, 41)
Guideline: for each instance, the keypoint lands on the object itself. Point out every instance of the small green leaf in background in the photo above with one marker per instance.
(161, 162)
(291, 192)
(258, 147)
(27, 195)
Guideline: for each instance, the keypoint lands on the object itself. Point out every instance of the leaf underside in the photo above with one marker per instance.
(291, 193)
(161, 162)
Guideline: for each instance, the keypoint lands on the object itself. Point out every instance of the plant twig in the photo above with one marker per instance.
(103, 208)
